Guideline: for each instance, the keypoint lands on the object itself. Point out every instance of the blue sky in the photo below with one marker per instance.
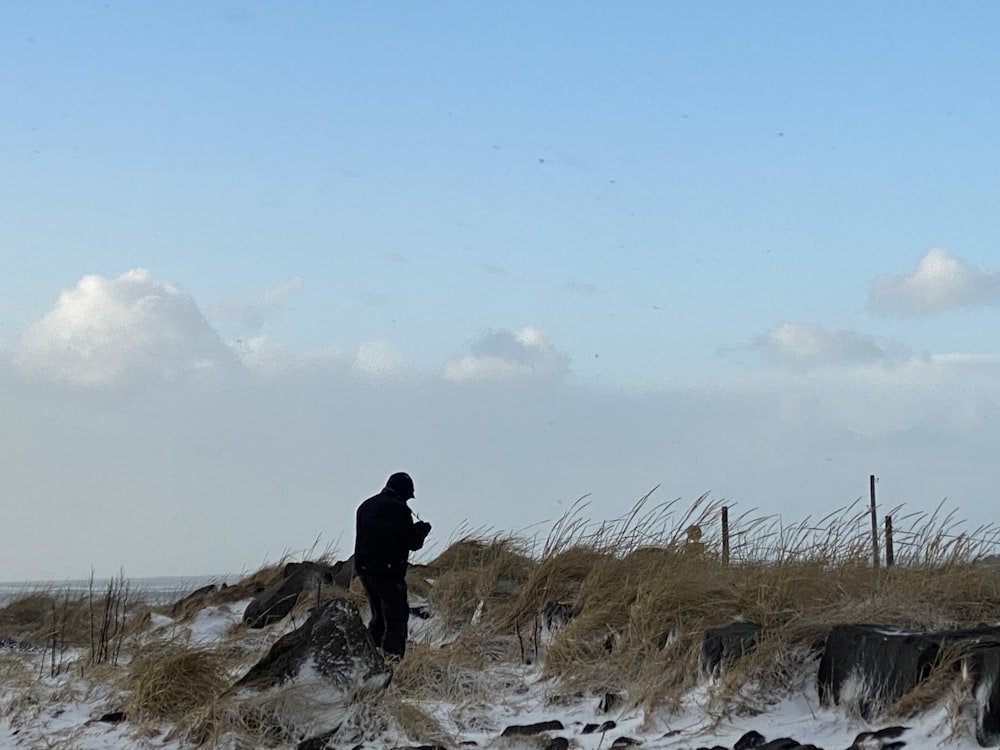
(592, 202)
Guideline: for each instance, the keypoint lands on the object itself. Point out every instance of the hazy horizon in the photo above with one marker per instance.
(258, 258)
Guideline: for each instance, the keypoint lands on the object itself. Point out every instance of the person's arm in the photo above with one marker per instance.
(407, 536)
(419, 533)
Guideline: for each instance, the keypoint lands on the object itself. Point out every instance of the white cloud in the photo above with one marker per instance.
(374, 361)
(814, 345)
(509, 355)
(178, 467)
(939, 283)
(107, 330)
(380, 360)
(266, 356)
(250, 315)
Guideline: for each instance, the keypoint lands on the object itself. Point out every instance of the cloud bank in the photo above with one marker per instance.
(939, 283)
(814, 345)
(266, 448)
(509, 355)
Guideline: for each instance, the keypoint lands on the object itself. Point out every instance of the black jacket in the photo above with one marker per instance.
(386, 534)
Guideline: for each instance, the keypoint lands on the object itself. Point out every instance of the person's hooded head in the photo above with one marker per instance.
(401, 485)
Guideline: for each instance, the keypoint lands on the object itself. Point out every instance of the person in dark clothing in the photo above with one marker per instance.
(386, 534)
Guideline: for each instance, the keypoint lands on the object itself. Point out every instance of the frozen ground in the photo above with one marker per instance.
(39, 711)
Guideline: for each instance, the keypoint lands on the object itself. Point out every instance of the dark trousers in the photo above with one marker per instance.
(390, 611)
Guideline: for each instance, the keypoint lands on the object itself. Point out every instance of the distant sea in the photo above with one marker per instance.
(152, 590)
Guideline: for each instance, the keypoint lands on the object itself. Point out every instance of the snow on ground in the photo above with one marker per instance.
(63, 712)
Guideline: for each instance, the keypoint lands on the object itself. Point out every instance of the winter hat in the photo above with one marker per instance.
(401, 484)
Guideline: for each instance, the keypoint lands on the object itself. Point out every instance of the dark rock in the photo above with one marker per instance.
(878, 664)
(420, 612)
(273, 603)
(15, 645)
(319, 742)
(749, 741)
(605, 727)
(555, 615)
(882, 739)
(558, 743)
(782, 743)
(113, 717)
(723, 645)
(180, 604)
(332, 660)
(871, 666)
(343, 572)
(333, 643)
(626, 742)
(982, 664)
(610, 702)
(526, 730)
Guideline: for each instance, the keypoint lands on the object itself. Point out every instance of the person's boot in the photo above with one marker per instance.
(390, 658)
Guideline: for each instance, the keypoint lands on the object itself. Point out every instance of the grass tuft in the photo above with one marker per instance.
(169, 686)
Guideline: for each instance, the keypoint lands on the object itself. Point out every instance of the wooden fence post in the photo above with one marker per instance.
(890, 558)
(875, 555)
(725, 535)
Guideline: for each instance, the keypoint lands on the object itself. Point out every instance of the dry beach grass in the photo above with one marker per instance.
(642, 589)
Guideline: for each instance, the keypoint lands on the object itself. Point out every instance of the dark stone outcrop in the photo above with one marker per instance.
(725, 644)
(180, 605)
(610, 702)
(625, 742)
(274, 603)
(871, 666)
(319, 742)
(333, 643)
(602, 728)
(981, 662)
(782, 743)
(555, 615)
(750, 741)
(15, 645)
(882, 739)
(333, 661)
(527, 730)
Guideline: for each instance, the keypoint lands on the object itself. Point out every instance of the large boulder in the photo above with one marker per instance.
(274, 603)
(332, 644)
(981, 665)
(722, 645)
(317, 677)
(868, 667)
